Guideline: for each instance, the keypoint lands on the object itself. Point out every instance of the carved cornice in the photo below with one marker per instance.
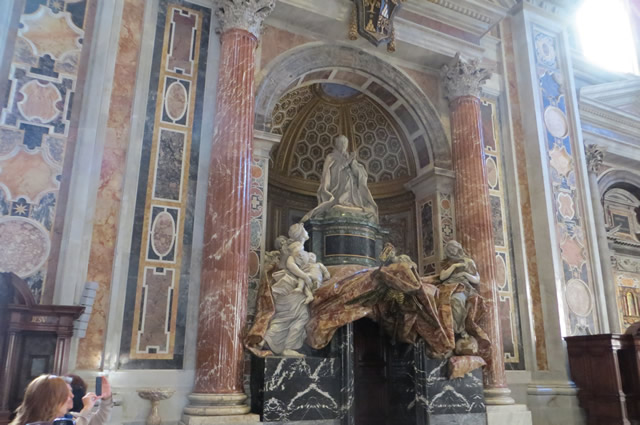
(595, 158)
(474, 16)
(263, 143)
(561, 8)
(247, 15)
(432, 181)
(466, 11)
(602, 115)
(462, 78)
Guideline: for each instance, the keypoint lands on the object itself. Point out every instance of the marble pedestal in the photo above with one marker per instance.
(444, 401)
(285, 389)
(345, 239)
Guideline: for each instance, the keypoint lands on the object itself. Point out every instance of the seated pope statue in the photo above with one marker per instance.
(344, 184)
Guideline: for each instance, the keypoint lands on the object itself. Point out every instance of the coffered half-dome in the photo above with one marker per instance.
(310, 117)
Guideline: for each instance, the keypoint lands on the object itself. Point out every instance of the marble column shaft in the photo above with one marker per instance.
(224, 279)
(595, 158)
(473, 219)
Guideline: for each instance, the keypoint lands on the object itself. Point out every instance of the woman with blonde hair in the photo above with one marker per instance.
(48, 397)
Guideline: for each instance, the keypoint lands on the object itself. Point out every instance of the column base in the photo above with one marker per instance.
(555, 403)
(212, 405)
(515, 414)
(250, 419)
(498, 397)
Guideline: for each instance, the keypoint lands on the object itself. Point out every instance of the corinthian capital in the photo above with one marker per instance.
(595, 158)
(243, 14)
(461, 78)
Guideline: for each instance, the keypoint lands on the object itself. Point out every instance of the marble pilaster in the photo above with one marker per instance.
(530, 285)
(463, 82)
(106, 218)
(567, 265)
(218, 389)
(433, 192)
(595, 157)
(263, 143)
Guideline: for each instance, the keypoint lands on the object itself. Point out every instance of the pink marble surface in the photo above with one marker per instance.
(525, 200)
(225, 257)
(275, 41)
(473, 219)
(112, 172)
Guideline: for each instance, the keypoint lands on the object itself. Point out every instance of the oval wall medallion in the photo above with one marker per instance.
(556, 122)
(176, 101)
(492, 173)
(501, 272)
(579, 298)
(163, 234)
(29, 242)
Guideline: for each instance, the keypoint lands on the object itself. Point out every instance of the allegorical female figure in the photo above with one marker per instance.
(459, 268)
(284, 297)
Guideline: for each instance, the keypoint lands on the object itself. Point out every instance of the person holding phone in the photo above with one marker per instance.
(48, 397)
(86, 416)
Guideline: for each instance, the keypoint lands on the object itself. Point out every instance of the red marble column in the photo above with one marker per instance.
(219, 386)
(472, 207)
(223, 283)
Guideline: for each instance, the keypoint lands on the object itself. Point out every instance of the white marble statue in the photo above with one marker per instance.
(316, 271)
(460, 268)
(344, 184)
(292, 292)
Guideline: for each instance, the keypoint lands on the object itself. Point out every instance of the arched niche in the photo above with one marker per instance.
(621, 179)
(371, 75)
(310, 117)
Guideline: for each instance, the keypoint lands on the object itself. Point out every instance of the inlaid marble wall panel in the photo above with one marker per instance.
(259, 172)
(435, 227)
(505, 272)
(577, 281)
(400, 226)
(158, 278)
(35, 126)
(447, 225)
(428, 254)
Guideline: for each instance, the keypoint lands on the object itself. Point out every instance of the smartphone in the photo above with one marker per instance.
(98, 385)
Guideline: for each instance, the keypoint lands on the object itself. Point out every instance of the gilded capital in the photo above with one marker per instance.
(247, 15)
(595, 157)
(462, 78)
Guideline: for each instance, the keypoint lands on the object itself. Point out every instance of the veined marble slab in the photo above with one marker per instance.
(296, 389)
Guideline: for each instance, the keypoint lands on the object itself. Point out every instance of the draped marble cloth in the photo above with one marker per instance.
(407, 306)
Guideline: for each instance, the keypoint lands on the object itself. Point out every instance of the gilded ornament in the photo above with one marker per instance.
(373, 20)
